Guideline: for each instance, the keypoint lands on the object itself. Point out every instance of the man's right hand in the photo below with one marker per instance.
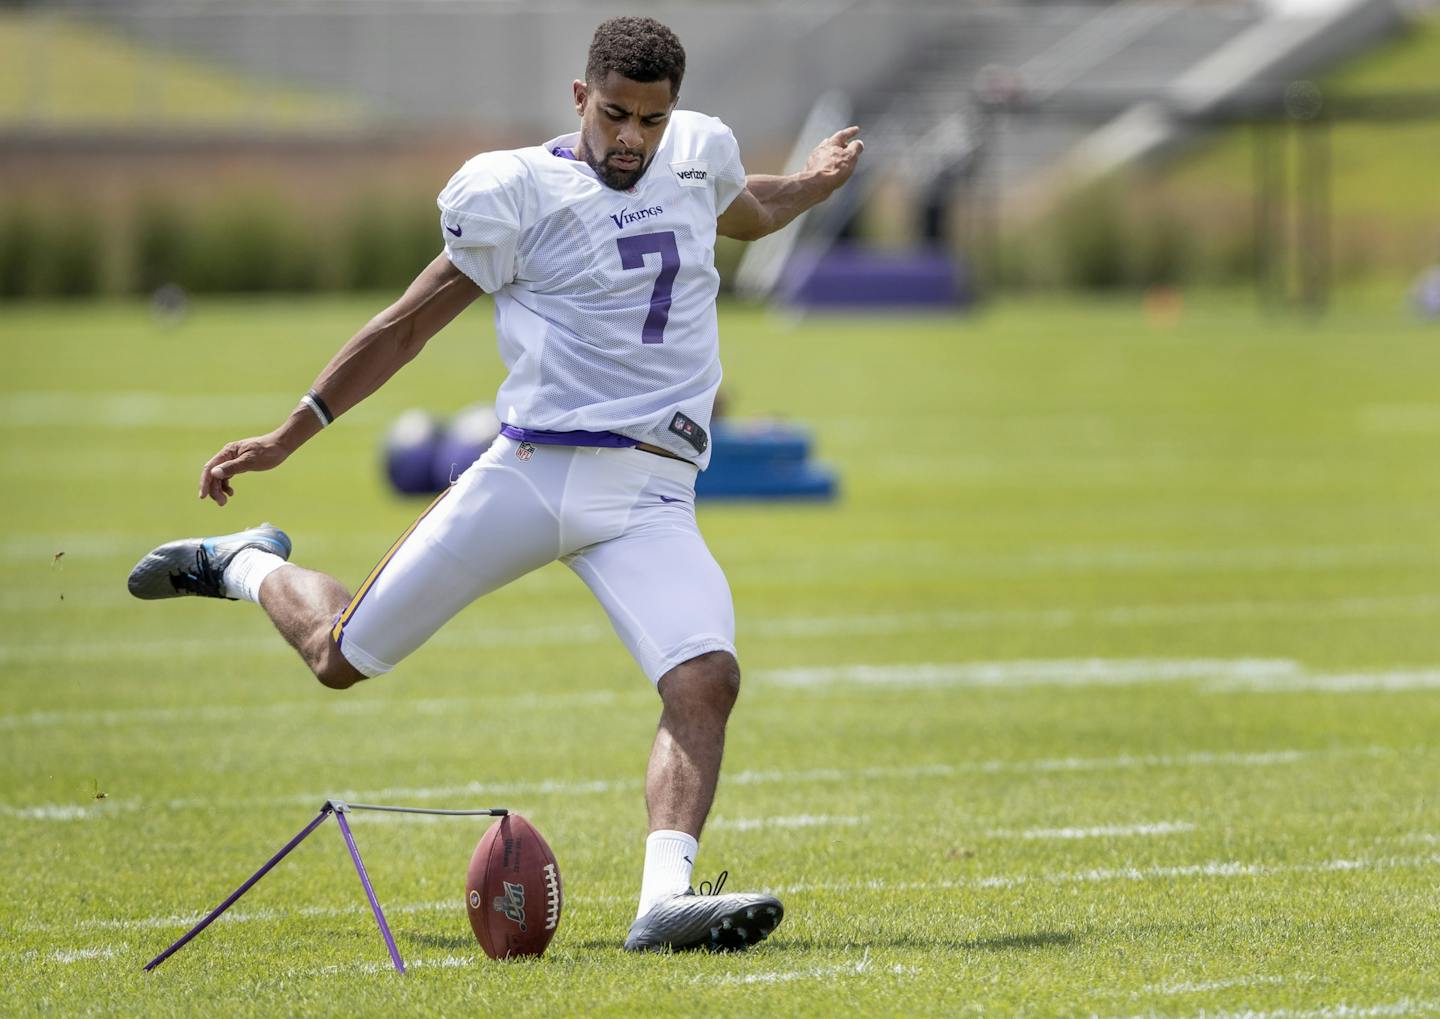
(362, 366)
(258, 454)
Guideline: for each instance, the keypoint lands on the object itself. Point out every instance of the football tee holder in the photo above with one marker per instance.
(339, 808)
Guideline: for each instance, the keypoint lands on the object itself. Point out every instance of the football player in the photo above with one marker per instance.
(598, 249)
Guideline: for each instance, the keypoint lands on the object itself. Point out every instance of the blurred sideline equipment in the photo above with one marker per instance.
(749, 460)
(339, 808)
(851, 276)
(465, 441)
(812, 264)
(410, 447)
(424, 454)
(1425, 295)
(763, 460)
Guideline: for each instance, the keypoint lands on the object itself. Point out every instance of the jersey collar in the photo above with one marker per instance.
(563, 147)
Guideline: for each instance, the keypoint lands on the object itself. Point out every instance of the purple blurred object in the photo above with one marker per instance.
(411, 445)
(854, 277)
(462, 442)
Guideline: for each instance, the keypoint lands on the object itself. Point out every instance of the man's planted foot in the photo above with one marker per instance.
(714, 922)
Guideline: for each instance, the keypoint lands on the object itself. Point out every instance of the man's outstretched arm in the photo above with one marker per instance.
(385, 345)
(769, 203)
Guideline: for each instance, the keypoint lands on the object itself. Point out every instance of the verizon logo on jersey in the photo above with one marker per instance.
(691, 173)
(625, 218)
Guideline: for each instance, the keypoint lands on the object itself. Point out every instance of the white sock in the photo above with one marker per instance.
(669, 860)
(248, 570)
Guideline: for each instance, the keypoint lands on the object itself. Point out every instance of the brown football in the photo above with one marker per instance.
(512, 890)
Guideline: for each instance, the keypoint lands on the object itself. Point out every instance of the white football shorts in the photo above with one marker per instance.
(622, 519)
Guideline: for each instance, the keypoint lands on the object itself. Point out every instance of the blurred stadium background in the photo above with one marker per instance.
(293, 146)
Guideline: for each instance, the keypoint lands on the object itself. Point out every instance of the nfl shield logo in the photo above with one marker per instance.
(524, 451)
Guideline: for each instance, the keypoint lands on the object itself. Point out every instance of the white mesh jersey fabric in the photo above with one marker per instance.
(604, 299)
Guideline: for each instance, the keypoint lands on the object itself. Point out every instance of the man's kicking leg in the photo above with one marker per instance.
(679, 787)
(484, 531)
(303, 605)
(251, 565)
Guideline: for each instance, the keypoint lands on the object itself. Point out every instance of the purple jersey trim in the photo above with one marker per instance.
(611, 440)
(564, 153)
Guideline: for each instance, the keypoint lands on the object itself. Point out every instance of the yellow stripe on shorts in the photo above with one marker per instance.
(384, 561)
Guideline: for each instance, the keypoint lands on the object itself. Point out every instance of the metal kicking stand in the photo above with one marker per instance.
(339, 808)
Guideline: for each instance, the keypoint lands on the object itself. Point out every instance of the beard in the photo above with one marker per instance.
(614, 177)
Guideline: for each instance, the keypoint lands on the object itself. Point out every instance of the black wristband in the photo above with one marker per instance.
(313, 401)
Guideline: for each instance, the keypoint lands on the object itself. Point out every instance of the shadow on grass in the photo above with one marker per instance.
(1037, 939)
(1007, 943)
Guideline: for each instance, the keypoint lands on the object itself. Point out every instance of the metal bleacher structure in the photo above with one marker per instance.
(1014, 103)
(946, 116)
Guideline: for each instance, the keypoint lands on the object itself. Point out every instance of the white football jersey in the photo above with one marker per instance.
(604, 299)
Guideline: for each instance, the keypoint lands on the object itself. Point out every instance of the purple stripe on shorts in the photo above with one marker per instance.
(610, 440)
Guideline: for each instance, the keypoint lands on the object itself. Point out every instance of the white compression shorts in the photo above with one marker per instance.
(622, 519)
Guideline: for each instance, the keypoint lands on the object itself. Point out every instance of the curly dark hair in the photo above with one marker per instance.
(640, 49)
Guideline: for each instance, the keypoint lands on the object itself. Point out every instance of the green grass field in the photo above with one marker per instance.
(1110, 686)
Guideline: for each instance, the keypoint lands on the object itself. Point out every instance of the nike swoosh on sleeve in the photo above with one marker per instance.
(457, 231)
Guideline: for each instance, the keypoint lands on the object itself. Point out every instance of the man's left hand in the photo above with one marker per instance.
(833, 160)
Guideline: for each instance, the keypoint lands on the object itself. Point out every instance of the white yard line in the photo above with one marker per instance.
(818, 776)
(67, 956)
(1100, 831)
(1405, 1006)
(790, 821)
(1215, 676)
(1397, 681)
(232, 916)
(936, 557)
(1209, 870)
(586, 631)
(317, 707)
(1205, 986)
(860, 967)
(180, 921)
(1083, 672)
(55, 811)
(1123, 559)
(826, 775)
(493, 792)
(440, 962)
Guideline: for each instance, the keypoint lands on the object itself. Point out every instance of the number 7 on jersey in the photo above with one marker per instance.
(633, 250)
